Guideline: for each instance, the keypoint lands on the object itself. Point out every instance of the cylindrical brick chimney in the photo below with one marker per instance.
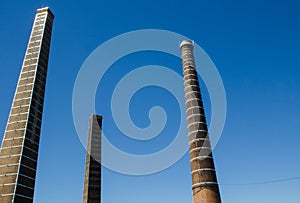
(204, 179)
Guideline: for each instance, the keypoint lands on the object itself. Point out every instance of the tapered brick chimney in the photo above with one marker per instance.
(204, 180)
(21, 141)
(92, 178)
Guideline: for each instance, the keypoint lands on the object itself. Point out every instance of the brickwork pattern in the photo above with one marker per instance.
(92, 179)
(19, 150)
(204, 180)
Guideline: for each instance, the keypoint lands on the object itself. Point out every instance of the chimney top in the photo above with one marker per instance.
(186, 42)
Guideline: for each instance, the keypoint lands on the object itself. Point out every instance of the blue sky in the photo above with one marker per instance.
(255, 46)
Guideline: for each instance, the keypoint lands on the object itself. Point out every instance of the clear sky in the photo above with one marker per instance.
(255, 46)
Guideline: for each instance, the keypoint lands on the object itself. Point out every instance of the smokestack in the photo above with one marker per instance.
(205, 187)
(92, 178)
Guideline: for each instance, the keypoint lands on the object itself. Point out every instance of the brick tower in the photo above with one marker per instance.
(19, 150)
(204, 180)
(92, 178)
